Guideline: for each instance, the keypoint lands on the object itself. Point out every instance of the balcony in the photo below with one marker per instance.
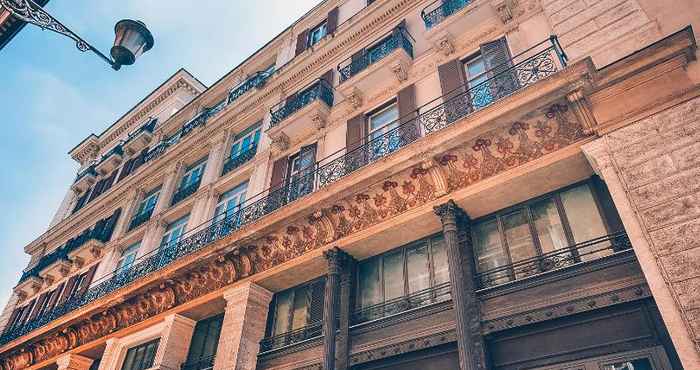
(538, 63)
(85, 179)
(255, 81)
(436, 294)
(57, 270)
(139, 139)
(439, 10)
(185, 192)
(310, 331)
(205, 363)
(140, 219)
(304, 113)
(379, 66)
(28, 286)
(110, 161)
(237, 161)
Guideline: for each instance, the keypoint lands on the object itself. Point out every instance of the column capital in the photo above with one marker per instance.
(336, 259)
(247, 292)
(450, 212)
(72, 361)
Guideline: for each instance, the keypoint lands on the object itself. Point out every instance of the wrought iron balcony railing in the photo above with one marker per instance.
(438, 10)
(535, 64)
(255, 81)
(295, 336)
(238, 160)
(436, 294)
(88, 171)
(581, 252)
(185, 192)
(148, 127)
(204, 363)
(139, 219)
(319, 90)
(397, 38)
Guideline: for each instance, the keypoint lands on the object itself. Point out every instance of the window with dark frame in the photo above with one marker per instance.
(205, 339)
(141, 357)
(317, 33)
(296, 308)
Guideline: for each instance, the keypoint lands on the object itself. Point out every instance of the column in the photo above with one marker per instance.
(201, 206)
(215, 160)
(133, 198)
(170, 183)
(460, 260)
(110, 357)
(174, 342)
(344, 310)
(330, 306)
(243, 327)
(72, 361)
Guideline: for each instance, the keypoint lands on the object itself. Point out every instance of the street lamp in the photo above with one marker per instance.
(131, 38)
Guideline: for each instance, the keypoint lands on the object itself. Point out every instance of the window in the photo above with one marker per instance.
(148, 203)
(407, 271)
(173, 232)
(317, 33)
(381, 124)
(76, 286)
(128, 257)
(246, 140)
(205, 338)
(297, 308)
(141, 357)
(301, 172)
(230, 202)
(476, 76)
(192, 175)
(548, 225)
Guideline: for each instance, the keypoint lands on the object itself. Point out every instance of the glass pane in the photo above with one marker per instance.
(638, 364)
(370, 288)
(489, 253)
(301, 309)
(440, 268)
(284, 305)
(585, 221)
(212, 339)
(550, 229)
(518, 236)
(129, 360)
(417, 266)
(197, 343)
(138, 358)
(150, 355)
(384, 121)
(393, 275)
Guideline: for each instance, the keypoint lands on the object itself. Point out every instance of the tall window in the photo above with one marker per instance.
(192, 175)
(246, 140)
(173, 232)
(380, 124)
(317, 33)
(298, 307)
(301, 172)
(230, 202)
(128, 257)
(402, 272)
(148, 203)
(547, 225)
(141, 357)
(205, 339)
(475, 72)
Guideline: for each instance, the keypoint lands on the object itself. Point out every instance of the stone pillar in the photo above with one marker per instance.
(243, 327)
(72, 361)
(151, 237)
(215, 160)
(644, 179)
(170, 184)
(470, 343)
(330, 306)
(201, 206)
(133, 197)
(110, 357)
(174, 342)
(345, 308)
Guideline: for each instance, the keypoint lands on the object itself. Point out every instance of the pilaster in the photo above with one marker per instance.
(335, 259)
(174, 342)
(243, 327)
(460, 260)
(217, 155)
(72, 361)
(133, 198)
(172, 176)
(343, 341)
(110, 356)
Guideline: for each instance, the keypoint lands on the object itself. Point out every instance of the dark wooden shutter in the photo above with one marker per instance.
(410, 129)
(110, 181)
(126, 169)
(70, 284)
(316, 300)
(332, 21)
(451, 78)
(54, 297)
(13, 319)
(497, 61)
(37, 306)
(109, 225)
(279, 172)
(356, 132)
(87, 280)
(302, 40)
(328, 77)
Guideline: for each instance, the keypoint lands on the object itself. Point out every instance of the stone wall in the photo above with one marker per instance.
(653, 170)
(607, 30)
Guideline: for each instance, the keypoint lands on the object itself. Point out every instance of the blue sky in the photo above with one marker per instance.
(52, 96)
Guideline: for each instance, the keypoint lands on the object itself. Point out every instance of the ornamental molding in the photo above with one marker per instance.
(505, 147)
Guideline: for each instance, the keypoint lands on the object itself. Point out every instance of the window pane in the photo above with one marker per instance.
(638, 364)
(138, 358)
(284, 305)
(440, 268)
(301, 308)
(129, 360)
(489, 251)
(518, 236)
(393, 275)
(417, 266)
(150, 355)
(370, 288)
(585, 221)
(549, 226)
(212, 339)
(197, 343)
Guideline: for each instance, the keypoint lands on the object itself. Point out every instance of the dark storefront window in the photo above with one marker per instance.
(567, 226)
(205, 340)
(402, 279)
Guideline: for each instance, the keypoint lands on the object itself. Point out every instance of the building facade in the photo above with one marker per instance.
(391, 184)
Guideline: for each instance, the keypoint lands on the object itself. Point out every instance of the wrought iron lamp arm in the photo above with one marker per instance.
(31, 12)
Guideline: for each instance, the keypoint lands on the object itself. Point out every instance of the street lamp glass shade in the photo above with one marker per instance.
(131, 39)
